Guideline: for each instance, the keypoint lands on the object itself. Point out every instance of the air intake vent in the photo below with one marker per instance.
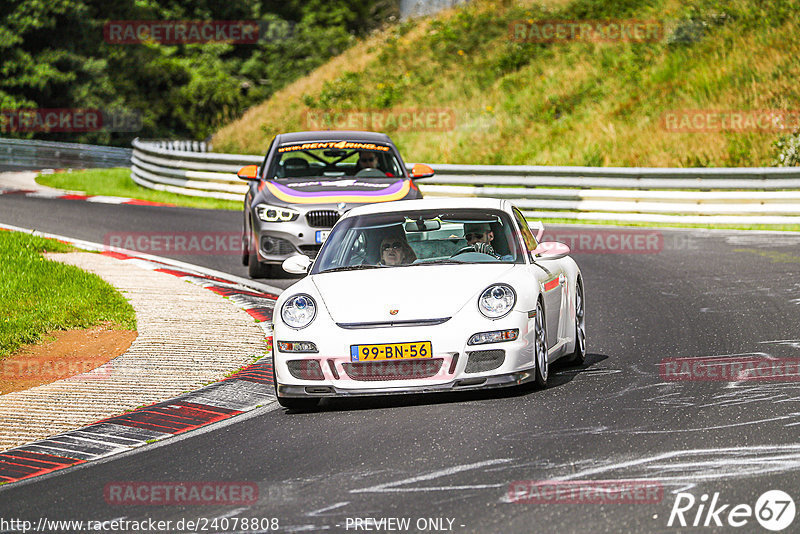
(310, 250)
(322, 218)
(305, 369)
(276, 246)
(484, 360)
(399, 370)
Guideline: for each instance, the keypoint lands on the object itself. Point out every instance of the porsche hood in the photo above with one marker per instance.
(414, 292)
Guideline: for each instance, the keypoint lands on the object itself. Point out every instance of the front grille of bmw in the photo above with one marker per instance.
(397, 370)
(322, 218)
(310, 250)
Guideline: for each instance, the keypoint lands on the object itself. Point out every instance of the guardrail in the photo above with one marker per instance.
(762, 195)
(21, 154)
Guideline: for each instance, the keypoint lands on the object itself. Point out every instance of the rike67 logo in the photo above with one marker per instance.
(774, 510)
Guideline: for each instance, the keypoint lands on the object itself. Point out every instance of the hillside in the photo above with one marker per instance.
(577, 102)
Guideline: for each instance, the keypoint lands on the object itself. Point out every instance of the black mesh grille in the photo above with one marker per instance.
(399, 370)
(310, 250)
(322, 218)
(305, 369)
(276, 246)
(485, 360)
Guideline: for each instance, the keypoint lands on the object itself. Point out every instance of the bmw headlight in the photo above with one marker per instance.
(497, 300)
(298, 311)
(275, 214)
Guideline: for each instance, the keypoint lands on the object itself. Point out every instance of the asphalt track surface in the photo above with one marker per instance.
(454, 456)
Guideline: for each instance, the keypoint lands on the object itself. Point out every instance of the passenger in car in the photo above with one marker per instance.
(395, 250)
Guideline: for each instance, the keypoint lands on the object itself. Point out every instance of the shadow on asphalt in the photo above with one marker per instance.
(560, 373)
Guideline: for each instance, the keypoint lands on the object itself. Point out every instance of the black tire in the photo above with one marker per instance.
(255, 268)
(246, 241)
(245, 252)
(540, 348)
(578, 357)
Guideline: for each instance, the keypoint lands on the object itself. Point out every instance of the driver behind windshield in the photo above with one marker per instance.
(480, 236)
(370, 162)
(367, 160)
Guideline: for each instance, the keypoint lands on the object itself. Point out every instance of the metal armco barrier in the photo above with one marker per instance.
(761, 195)
(21, 154)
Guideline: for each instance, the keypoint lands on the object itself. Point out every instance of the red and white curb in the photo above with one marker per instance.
(100, 199)
(244, 391)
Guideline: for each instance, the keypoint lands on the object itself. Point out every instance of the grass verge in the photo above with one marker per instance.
(117, 183)
(38, 296)
(706, 226)
(561, 103)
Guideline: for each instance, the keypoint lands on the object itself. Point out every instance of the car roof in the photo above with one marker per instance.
(332, 135)
(430, 203)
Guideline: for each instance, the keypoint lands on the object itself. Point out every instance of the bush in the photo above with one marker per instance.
(787, 150)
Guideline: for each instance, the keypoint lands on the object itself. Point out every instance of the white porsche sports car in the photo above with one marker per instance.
(426, 295)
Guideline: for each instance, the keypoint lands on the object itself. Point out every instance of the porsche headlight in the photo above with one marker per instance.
(275, 214)
(299, 311)
(497, 300)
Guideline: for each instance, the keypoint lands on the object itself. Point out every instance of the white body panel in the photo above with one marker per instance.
(393, 299)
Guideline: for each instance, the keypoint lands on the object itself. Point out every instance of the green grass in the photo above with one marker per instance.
(707, 226)
(118, 183)
(562, 103)
(38, 296)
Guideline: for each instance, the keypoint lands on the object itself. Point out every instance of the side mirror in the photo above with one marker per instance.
(550, 250)
(297, 264)
(248, 172)
(420, 170)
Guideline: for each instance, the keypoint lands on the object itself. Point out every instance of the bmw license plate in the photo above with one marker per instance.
(391, 351)
(322, 235)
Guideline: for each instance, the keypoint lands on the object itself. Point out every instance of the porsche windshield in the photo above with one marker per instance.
(420, 238)
(332, 159)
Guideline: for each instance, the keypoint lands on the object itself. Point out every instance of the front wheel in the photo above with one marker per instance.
(540, 348)
(255, 268)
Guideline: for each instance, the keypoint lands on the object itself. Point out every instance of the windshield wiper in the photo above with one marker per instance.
(353, 268)
(443, 262)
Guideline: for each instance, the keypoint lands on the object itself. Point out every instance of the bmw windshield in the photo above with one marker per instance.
(334, 159)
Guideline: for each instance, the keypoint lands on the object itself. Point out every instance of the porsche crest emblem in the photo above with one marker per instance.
(393, 312)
